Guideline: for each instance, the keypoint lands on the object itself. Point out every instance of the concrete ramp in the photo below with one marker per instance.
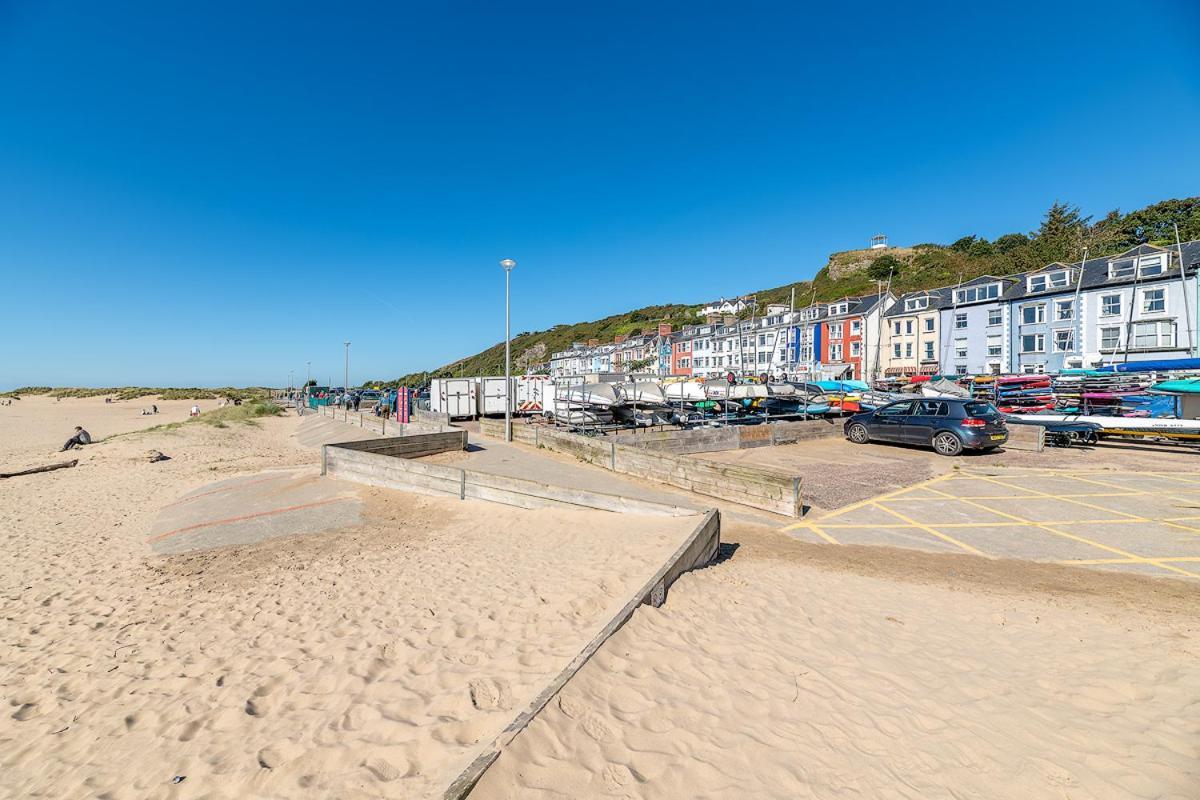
(316, 431)
(253, 508)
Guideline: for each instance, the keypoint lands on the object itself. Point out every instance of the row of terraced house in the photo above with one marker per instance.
(1140, 305)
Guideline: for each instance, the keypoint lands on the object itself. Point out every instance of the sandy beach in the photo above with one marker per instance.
(371, 660)
(795, 671)
(364, 662)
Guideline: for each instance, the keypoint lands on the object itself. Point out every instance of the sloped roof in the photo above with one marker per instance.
(1095, 271)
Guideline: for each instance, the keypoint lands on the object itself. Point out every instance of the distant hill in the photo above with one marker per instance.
(1063, 235)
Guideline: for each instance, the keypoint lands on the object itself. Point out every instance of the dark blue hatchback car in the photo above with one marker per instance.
(947, 424)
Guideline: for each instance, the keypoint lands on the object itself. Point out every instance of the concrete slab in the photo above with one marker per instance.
(1147, 539)
(935, 512)
(912, 538)
(253, 508)
(1024, 542)
(976, 487)
(1045, 509)
(1151, 506)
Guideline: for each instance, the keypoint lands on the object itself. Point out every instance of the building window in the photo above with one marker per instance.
(960, 369)
(856, 327)
(1031, 315)
(1033, 343)
(762, 339)
(855, 349)
(1033, 369)
(908, 349)
(994, 346)
(1064, 309)
(916, 303)
(835, 352)
(1110, 338)
(762, 358)
(1049, 280)
(835, 330)
(995, 316)
(929, 323)
(1154, 301)
(929, 351)
(977, 293)
(908, 323)
(1064, 341)
(1110, 305)
(1150, 335)
(960, 320)
(960, 348)
(897, 327)
(840, 308)
(1121, 268)
(1149, 266)
(896, 350)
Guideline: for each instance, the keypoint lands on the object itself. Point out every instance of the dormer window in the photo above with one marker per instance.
(838, 308)
(975, 294)
(1149, 266)
(1058, 279)
(1121, 268)
(916, 303)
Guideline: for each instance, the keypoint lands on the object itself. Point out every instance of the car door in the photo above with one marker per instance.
(887, 424)
(919, 427)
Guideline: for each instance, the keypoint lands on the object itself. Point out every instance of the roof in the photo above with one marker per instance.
(942, 297)
(862, 304)
(1095, 271)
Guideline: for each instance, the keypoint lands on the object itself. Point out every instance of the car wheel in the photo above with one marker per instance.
(858, 434)
(947, 444)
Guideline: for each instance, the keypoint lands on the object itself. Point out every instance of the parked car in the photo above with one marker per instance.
(947, 424)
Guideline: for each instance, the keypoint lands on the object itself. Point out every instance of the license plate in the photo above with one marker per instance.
(997, 435)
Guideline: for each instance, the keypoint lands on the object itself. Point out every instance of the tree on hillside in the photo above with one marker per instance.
(884, 267)
(1062, 234)
(1010, 242)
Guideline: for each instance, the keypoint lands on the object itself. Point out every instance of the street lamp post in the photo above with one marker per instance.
(307, 373)
(508, 265)
(346, 385)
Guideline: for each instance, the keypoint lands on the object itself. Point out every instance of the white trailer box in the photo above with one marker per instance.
(533, 393)
(455, 397)
(494, 395)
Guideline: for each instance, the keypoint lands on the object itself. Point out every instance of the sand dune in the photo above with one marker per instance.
(766, 677)
(366, 662)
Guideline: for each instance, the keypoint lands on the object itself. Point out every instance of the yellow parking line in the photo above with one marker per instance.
(1125, 514)
(1081, 539)
(823, 535)
(932, 532)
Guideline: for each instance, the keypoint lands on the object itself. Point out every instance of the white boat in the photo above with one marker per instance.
(594, 395)
(944, 388)
(643, 393)
(684, 392)
(740, 391)
(1146, 426)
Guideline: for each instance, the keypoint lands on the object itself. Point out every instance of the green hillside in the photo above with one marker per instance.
(1063, 235)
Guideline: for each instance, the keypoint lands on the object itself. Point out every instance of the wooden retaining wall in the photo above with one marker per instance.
(374, 467)
(699, 550)
(757, 487)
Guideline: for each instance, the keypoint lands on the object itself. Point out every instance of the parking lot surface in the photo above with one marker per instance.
(1145, 522)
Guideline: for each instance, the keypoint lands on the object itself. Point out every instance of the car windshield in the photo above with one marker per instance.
(981, 410)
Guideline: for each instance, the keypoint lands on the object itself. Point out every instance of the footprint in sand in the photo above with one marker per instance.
(385, 770)
(490, 694)
(26, 711)
(594, 726)
(572, 707)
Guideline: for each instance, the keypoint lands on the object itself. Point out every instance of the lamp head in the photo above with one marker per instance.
(508, 264)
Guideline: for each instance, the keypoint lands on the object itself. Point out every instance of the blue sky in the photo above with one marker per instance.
(216, 193)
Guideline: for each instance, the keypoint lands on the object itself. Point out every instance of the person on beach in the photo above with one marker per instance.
(80, 438)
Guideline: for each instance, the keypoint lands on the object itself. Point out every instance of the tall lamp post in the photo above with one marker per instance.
(508, 265)
(346, 385)
(307, 373)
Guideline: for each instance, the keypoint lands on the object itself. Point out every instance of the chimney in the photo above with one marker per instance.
(664, 329)
(593, 342)
(620, 339)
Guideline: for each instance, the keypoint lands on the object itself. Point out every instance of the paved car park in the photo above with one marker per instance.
(1146, 522)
